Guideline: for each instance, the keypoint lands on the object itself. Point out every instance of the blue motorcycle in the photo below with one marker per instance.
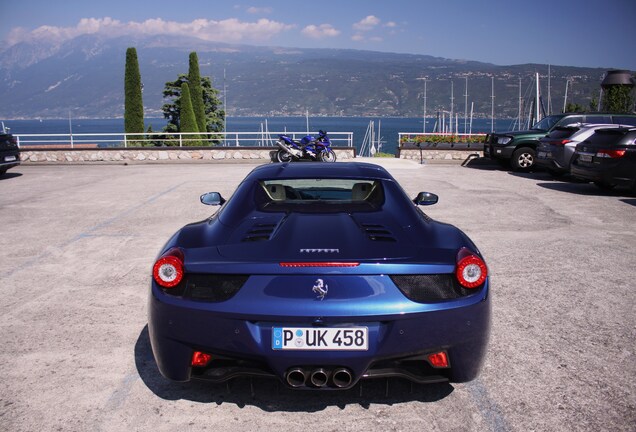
(308, 148)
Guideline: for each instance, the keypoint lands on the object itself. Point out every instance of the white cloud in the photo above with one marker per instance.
(320, 32)
(390, 24)
(259, 10)
(228, 30)
(367, 23)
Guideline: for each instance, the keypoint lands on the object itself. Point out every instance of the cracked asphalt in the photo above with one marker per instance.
(78, 242)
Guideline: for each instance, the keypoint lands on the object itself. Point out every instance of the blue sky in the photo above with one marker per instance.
(559, 32)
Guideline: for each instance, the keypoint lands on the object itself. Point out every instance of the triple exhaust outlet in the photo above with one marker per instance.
(319, 377)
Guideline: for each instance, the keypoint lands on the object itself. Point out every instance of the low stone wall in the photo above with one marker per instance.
(437, 154)
(207, 154)
(158, 154)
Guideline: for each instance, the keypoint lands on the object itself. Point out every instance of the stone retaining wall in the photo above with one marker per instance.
(207, 154)
(437, 154)
(157, 154)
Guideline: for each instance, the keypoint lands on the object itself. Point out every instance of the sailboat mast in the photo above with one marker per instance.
(536, 98)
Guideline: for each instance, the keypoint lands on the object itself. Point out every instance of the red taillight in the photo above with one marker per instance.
(471, 270)
(562, 142)
(168, 270)
(319, 264)
(438, 360)
(611, 153)
(200, 359)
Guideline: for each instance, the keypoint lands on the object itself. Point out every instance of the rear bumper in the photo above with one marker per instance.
(242, 345)
(608, 173)
(9, 159)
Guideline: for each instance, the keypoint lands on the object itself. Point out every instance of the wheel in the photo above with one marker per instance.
(3, 170)
(283, 156)
(523, 159)
(327, 156)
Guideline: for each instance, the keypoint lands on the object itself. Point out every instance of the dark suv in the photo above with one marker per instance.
(9, 152)
(518, 148)
(607, 158)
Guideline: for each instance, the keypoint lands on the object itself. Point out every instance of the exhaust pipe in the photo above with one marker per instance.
(296, 377)
(342, 378)
(291, 151)
(284, 147)
(319, 378)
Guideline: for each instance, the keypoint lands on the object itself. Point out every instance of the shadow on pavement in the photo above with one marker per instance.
(270, 395)
(10, 175)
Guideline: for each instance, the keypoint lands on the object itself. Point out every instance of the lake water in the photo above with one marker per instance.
(389, 126)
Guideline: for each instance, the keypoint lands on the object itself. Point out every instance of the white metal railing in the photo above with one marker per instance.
(178, 139)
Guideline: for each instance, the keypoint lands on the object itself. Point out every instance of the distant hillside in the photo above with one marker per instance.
(84, 76)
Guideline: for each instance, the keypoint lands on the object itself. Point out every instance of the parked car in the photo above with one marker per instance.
(555, 150)
(9, 152)
(320, 276)
(607, 158)
(518, 148)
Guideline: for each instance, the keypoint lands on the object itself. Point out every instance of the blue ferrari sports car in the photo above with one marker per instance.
(320, 276)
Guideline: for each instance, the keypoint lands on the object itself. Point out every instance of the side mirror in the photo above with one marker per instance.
(426, 198)
(212, 198)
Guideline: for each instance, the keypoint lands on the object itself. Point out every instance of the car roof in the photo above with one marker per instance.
(319, 170)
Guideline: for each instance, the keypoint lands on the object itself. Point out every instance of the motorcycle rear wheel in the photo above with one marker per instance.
(282, 156)
(327, 156)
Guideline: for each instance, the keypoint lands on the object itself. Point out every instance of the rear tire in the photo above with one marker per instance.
(523, 159)
(282, 156)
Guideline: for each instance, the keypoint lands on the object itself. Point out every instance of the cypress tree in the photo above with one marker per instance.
(133, 104)
(196, 92)
(188, 120)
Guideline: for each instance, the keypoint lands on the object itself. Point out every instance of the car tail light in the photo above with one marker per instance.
(168, 270)
(200, 359)
(319, 264)
(614, 154)
(438, 360)
(561, 142)
(471, 270)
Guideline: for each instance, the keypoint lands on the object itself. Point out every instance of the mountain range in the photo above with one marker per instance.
(84, 77)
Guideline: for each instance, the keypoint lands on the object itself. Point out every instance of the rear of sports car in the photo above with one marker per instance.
(320, 299)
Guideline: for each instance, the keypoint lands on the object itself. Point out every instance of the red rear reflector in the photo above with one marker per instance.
(319, 264)
(438, 360)
(200, 358)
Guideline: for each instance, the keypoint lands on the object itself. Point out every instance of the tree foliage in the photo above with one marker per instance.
(214, 114)
(188, 119)
(618, 99)
(196, 92)
(133, 104)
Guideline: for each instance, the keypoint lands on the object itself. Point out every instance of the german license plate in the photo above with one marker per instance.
(320, 338)
(585, 158)
(9, 158)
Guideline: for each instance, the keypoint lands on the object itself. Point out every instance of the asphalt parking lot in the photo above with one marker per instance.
(78, 242)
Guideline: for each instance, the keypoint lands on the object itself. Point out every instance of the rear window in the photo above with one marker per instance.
(322, 194)
(606, 137)
(562, 132)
